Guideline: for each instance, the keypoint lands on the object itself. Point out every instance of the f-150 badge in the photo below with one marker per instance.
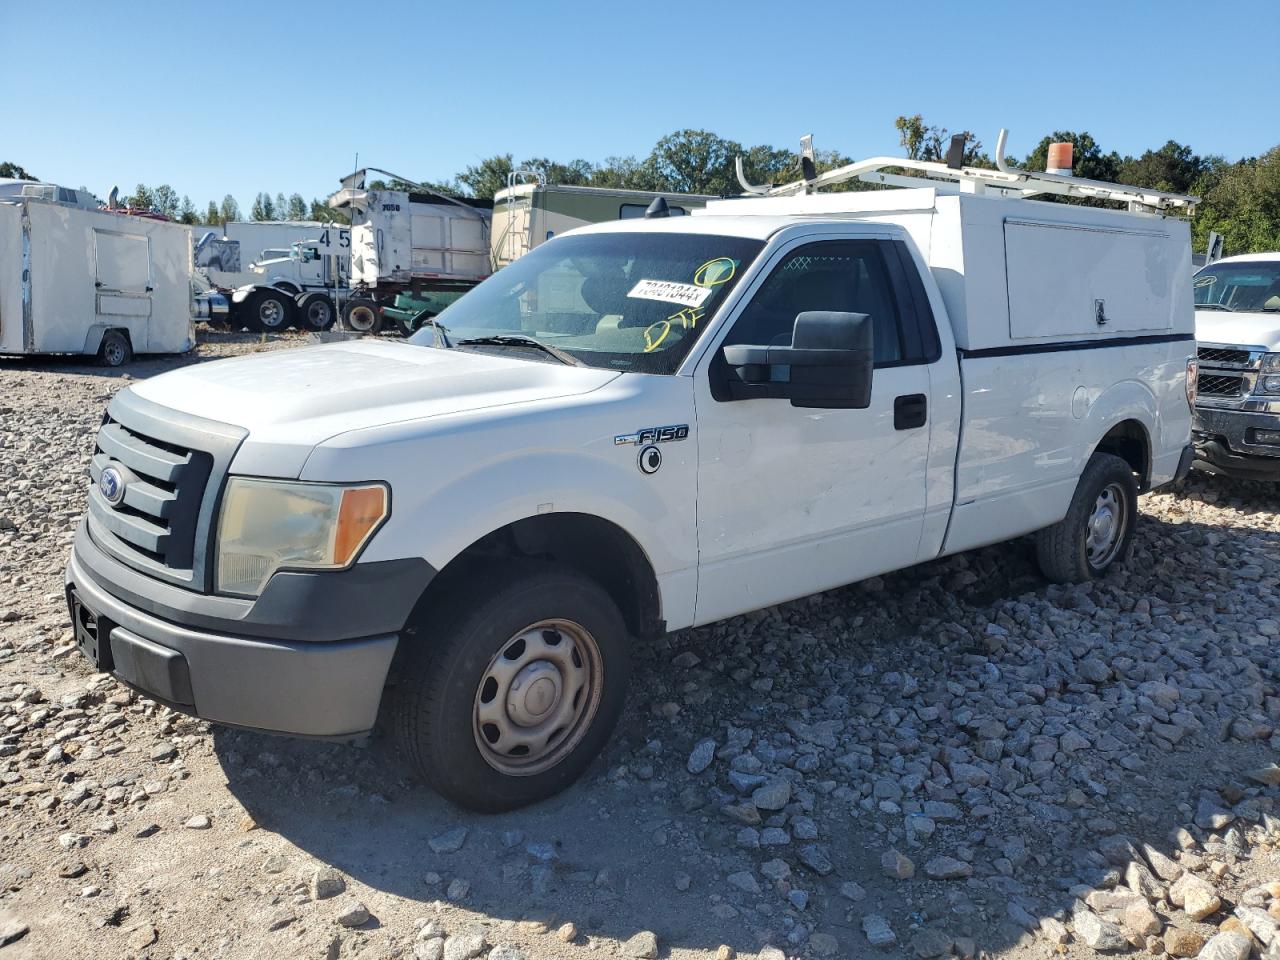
(649, 435)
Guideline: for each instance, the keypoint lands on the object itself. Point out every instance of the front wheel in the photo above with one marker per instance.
(1098, 527)
(269, 311)
(514, 687)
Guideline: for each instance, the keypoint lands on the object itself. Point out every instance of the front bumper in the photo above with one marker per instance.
(1226, 443)
(222, 668)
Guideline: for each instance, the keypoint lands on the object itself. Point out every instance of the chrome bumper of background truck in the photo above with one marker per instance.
(226, 672)
(1227, 442)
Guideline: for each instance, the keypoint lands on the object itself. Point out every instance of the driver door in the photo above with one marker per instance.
(793, 501)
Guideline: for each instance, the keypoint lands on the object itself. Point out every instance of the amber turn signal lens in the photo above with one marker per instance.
(363, 508)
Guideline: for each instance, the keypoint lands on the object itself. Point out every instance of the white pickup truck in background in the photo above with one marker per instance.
(1237, 424)
(637, 427)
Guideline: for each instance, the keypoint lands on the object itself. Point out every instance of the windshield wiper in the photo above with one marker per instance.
(519, 340)
(1215, 306)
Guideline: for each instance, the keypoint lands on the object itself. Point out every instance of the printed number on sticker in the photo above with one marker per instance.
(670, 291)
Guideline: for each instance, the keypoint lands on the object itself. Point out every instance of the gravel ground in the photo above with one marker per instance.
(955, 759)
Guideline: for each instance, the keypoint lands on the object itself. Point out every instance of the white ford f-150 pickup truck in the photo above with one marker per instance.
(1237, 419)
(638, 427)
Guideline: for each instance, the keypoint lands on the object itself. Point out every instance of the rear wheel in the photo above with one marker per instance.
(315, 311)
(269, 311)
(1098, 527)
(115, 349)
(362, 315)
(514, 688)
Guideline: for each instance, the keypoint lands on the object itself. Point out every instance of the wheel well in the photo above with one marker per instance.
(284, 286)
(594, 547)
(1128, 440)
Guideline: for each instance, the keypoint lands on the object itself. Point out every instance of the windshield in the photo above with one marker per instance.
(1239, 286)
(625, 301)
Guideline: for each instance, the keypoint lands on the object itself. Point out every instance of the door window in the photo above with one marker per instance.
(847, 276)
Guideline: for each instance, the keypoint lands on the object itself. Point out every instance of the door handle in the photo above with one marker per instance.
(910, 411)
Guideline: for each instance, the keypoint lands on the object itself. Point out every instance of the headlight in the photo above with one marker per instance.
(1268, 383)
(270, 525)
(1271, 363)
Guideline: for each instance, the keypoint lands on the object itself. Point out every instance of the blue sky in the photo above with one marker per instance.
(225, 96)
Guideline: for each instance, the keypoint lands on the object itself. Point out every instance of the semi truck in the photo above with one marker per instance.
(299, 273)
(714, 413)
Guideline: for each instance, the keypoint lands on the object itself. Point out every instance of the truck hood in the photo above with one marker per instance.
(1239, 329)
(291, 400)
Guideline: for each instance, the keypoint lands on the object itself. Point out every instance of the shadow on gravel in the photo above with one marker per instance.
(1009, 737)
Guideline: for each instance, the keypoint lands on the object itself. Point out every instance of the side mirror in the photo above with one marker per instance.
(828, 364)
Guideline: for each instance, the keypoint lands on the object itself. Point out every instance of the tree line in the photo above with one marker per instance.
(1240, 199)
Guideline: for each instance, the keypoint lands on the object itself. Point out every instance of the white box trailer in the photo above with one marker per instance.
(92, 282)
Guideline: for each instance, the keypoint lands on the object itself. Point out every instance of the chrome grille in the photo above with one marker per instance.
(1224, 356)
(172, 465)
(1219, 385)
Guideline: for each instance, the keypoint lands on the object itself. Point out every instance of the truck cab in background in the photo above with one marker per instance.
(1237, 415)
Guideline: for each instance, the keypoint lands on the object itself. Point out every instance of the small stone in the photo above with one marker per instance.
(326, 882)
(71, 869)
(506, 951)
(930, 943)
(823, 944)
(1139, 918)
(775, 870)
(458, 889)
(816, 859)
(12, 930)
(198, 822)
(852, 891)
(353, 913)
(274, 864)
(1101, 935)
(465, 946)
(150, 830)
(878, 932)
(1196, 896)
(897, 865)
(1227, 946)
(568, 932)
(279, 919)
(745, 882)
(143, 936)
(947, 868)
(431, 948)
(725, 952)
(449, 842)
(644, 945)
(704, 751)
(774, 795)
(163, 752)
(1054, 931)
(1180, 942)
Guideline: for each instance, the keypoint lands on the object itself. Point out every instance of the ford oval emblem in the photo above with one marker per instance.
(111, 485)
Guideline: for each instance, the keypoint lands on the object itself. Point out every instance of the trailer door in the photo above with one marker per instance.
(122, 262)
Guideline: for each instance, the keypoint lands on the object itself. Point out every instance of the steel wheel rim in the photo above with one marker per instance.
(360, 318)
(538, 697)
(1106, 527)
(270, 312)
(318, 315)
(114, 354)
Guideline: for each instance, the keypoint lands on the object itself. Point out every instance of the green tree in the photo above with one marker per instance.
(763, 164)
(487, 177)
(623, 173)
(229, 211)
(11, 171)
(187, 211)
(141, 199)
(695, 161)
(1173, 168)
(323, 213)
(576, 173)
(164, 201)
(211, 215)
(297, 209)
(922, 141)
(281, 207)
(263, 207)
(1243, 205)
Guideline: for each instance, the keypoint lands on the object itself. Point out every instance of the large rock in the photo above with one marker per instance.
(704, 751)
(326, 882)
(774, 795)
(947, 868)
(878, 931)
(897, 865)
(1196, 896)
(1181, 942)
(1227, 946)
(644, 945)
(1101, 935)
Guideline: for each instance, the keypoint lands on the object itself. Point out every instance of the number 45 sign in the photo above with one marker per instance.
(334, 240)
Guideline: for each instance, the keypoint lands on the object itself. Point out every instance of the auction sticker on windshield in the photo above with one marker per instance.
(670, 291)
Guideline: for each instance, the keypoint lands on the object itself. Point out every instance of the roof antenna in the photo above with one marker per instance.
(657, 209)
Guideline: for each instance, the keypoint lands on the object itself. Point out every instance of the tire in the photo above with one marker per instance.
(1098, 528)
(362, 315)
(458, 688)
(315, 312)
(115, 349)
(268, 311)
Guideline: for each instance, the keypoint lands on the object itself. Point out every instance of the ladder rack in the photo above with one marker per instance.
(1004, 181)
